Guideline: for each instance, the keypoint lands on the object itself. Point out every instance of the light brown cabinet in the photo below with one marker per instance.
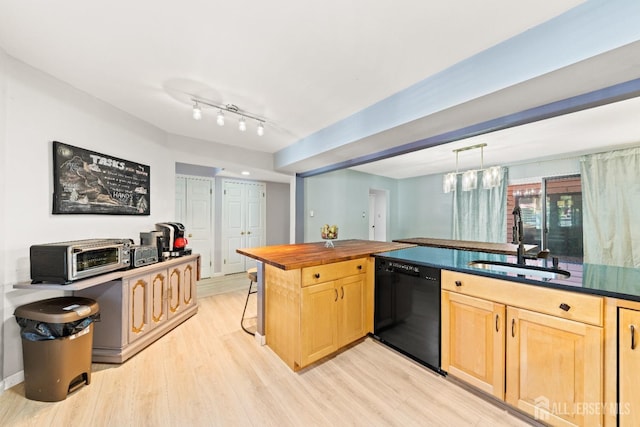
(474, 341)
(332, 316)
(628, 408)
(314, 311)
(553, 363)
(554, 368)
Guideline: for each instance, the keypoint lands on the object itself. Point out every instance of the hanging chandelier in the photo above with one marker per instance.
(198, 103)
(491, 177)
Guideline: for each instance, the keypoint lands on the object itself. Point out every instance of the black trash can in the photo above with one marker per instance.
(57, 337)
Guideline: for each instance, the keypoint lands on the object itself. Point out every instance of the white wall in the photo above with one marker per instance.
(341, 198)
(278, 213)
(425, 211)
(39, 109)
(3, 202)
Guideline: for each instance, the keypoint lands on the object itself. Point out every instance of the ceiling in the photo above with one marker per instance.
(614, 125)
(301, 66)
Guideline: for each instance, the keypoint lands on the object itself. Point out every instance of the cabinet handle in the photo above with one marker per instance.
(336, 295)
(458, 283)
(513, 328)
(248, 232)
(342, 291)
(565, 307)
(317, 275)
(633, 337)
(497, 322)
(359, 267)
(242, 233)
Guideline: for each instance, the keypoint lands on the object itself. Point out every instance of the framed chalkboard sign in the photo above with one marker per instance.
(86, 182)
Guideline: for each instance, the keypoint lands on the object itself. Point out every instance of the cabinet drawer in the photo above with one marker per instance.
(565, 304)
(333, 271)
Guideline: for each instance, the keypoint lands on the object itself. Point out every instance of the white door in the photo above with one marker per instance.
(243, 222)
(199, 222)
(233, 233)
(255, 219)
(378, 215)
(194, 199)
(372, 216)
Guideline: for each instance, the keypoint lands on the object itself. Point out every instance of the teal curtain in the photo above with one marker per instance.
(611, 208)
(480, 214)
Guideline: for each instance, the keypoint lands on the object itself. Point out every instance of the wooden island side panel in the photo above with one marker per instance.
(282, 306)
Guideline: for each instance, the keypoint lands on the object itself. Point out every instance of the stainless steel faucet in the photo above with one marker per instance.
(518, 234)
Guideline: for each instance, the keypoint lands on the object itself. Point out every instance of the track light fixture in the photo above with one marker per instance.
(242, 122)
(197, 112)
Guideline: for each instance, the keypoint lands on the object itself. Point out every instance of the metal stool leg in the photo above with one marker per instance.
(245, 308)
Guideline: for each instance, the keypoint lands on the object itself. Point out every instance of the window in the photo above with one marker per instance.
(556, 203)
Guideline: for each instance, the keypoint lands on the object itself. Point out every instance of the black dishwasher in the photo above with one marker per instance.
(407, 309)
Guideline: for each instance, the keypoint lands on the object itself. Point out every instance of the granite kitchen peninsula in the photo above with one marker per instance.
(519, 339)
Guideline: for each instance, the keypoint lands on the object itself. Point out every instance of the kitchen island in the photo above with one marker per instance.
(561, 349)
(314, 300)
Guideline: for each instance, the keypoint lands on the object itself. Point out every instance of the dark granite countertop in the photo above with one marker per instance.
(604, 280)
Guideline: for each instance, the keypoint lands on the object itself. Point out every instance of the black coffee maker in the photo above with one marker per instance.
(174, 243)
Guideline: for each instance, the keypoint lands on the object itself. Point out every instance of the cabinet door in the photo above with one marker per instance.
(157, 298)
(628, 367)
(473, 341)
(181, 288)
(147, 303)
(351, 309)
(318, 322)
(175, 287)
(188, 293)
(554, 368)
(138, 307)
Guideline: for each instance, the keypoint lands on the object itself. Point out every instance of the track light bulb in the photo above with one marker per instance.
(220, 119)
(260, 129)
(242, 124)
(197, 112)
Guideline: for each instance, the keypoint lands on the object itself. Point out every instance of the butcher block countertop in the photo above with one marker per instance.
(464, 245)
(291, 257)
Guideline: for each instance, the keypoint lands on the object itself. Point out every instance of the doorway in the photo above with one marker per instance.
(243, 222)
(378, 214)
(551, 215)
(194, 202)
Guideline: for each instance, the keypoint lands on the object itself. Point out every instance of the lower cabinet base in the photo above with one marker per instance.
(495, 401)
(121, 354)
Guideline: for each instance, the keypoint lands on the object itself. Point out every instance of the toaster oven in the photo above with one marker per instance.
(65, 262)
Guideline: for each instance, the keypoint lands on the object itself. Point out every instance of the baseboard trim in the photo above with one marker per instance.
(12, 380)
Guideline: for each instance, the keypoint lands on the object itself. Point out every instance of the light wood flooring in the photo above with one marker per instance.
(208, 372)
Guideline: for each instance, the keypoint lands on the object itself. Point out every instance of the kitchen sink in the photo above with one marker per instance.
(521, 270)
